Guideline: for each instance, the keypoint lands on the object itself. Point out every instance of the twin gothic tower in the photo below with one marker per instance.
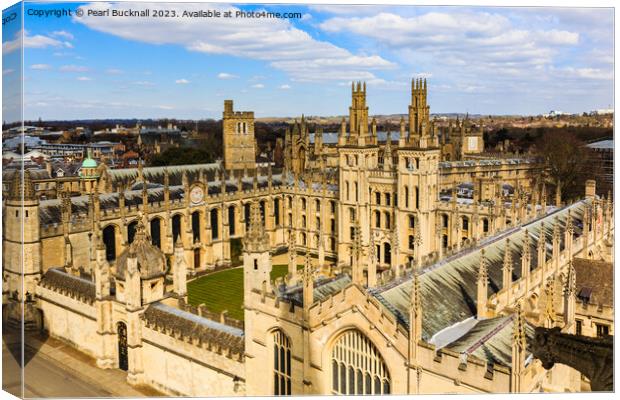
(388, 191)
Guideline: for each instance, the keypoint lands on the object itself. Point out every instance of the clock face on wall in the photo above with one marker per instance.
(196, 195)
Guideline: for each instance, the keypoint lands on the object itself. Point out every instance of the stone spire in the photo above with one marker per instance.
(526, 257)
(556, 244)
(415, 310)
(179, 276)
(569, 293)
(568, 234)
(342, 134)
(541, 246)
(23, 187)
(292, 254)
(549, 313)
(357, 269)
(308, 281)
(507, 270)
(387, 153)
(543, 198)
(518, 349)
(29, 192)
(256, 240)
(483, 287)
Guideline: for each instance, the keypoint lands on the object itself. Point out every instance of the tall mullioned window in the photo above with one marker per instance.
(357, 366)
(281, 364)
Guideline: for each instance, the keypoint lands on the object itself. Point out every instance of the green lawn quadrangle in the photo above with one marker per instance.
(223, 290)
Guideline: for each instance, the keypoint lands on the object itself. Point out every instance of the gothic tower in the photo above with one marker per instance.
(419, 111)
(358, 112)
(357, 156)
(22, 247)
(418, 181)
(239, 142)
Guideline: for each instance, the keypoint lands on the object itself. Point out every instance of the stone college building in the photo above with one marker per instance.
(405, 287)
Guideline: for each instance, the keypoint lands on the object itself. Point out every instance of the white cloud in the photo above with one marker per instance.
(458, 37)
(63, 34)
(113, 71)
(40, 66)
(84, 78)
(285, 86)
(181, 81)
(143, 83)
(277, 42)
(164, 107)
(73, 68)
(226, 75)
(35, 42)
(7, 71)
(588, 73)
(258, 86)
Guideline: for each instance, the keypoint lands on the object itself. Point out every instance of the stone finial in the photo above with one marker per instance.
(256, 239)
(308, 281)
(414, 295)
(483, 270)
(569, 288)
(569, 224)
(549, 306)
(166, 178)
(518, 331)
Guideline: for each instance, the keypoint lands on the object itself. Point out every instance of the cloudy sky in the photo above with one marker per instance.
(476, 59)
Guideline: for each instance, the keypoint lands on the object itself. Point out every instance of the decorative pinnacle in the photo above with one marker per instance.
(414, 296)
(483, 272)
(518, 332)
(256, 239)
(507, 256)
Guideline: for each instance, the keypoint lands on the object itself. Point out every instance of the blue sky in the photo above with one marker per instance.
(476, 59)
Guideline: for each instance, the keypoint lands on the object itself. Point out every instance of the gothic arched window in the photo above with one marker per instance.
(357, 366)
(281, 364)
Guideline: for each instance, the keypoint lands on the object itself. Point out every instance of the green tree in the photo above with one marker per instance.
(182, 156)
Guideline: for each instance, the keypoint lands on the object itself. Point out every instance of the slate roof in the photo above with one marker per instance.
(58, 279)
(491, 340)
(594, 280)
(323, 288)
(193, 326)
(448, 288)
(35, 174)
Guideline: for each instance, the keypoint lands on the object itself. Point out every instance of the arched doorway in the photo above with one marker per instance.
(121, 330)
(357, 366)
(109, 240)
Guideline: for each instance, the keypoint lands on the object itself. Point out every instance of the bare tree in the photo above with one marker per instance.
(568, 162)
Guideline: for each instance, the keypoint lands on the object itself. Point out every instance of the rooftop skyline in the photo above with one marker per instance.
(480, 60)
